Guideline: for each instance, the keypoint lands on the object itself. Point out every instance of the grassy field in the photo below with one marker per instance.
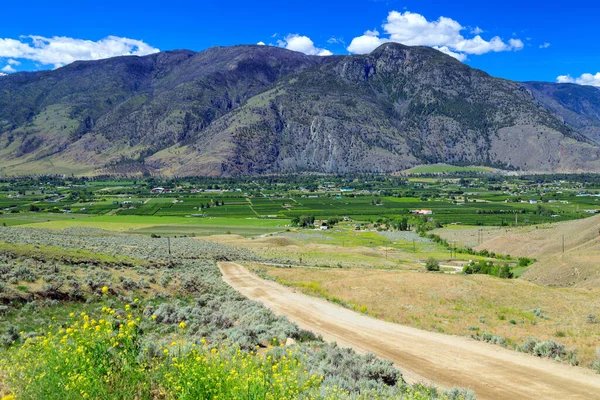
(343, 246)
(458, 304)
(445, 168)
(169, 226)
(35, 218)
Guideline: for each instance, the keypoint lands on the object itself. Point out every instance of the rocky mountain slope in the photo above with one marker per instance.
(244, 110)
(578, 106)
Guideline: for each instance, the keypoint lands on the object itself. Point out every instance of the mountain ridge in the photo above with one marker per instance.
(244, 110)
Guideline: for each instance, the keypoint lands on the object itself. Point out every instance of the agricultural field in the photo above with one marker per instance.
(445, 168)
(483, 199)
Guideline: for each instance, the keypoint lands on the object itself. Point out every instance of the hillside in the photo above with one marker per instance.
(577, 266)
(577, 105)
(241, 110)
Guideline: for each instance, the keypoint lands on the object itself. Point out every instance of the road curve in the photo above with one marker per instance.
(490, 370)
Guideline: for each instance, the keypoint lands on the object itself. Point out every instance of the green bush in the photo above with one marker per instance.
(432, 264)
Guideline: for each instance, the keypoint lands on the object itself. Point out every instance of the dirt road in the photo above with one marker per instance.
(493, 372)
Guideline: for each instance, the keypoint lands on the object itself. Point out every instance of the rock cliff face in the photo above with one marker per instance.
(255, 109)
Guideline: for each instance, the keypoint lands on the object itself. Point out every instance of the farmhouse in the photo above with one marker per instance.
(321, 224)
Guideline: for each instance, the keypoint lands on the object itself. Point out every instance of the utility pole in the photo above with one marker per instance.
(414, 248)
(516, 219)
(169, 244)
(563, 243)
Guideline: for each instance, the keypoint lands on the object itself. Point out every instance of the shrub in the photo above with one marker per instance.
(596, 363)
(572, 357)
(100, 359)
(550, 349)
(525, 261)
(488, 337)
(432, 264)
(527, 346)
(10, 336)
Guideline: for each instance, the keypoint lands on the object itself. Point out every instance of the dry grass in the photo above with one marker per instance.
(455, 303)
(578, 266)
(321, 254)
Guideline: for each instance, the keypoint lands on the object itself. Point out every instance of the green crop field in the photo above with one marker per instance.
(127, 205)
(445, 168)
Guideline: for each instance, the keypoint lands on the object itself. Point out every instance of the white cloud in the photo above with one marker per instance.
(13, 62)
(545, 45)
(59, 51)
(516, 44)
(584, 79)
(9, 68)
(366, 43)
(261, 43)
(413, 29)
(446, 50)
(477, 31)
(2, 74)
(302, 44)
(336, 40)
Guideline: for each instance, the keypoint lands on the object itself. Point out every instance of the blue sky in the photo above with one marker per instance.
(534, 40)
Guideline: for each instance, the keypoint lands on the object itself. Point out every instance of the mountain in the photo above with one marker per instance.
(241, 110)
(577, 105)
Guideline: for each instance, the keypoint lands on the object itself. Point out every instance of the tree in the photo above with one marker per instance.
(403, 224)
(505, 272)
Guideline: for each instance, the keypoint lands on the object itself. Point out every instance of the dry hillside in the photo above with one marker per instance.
(579, 265)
